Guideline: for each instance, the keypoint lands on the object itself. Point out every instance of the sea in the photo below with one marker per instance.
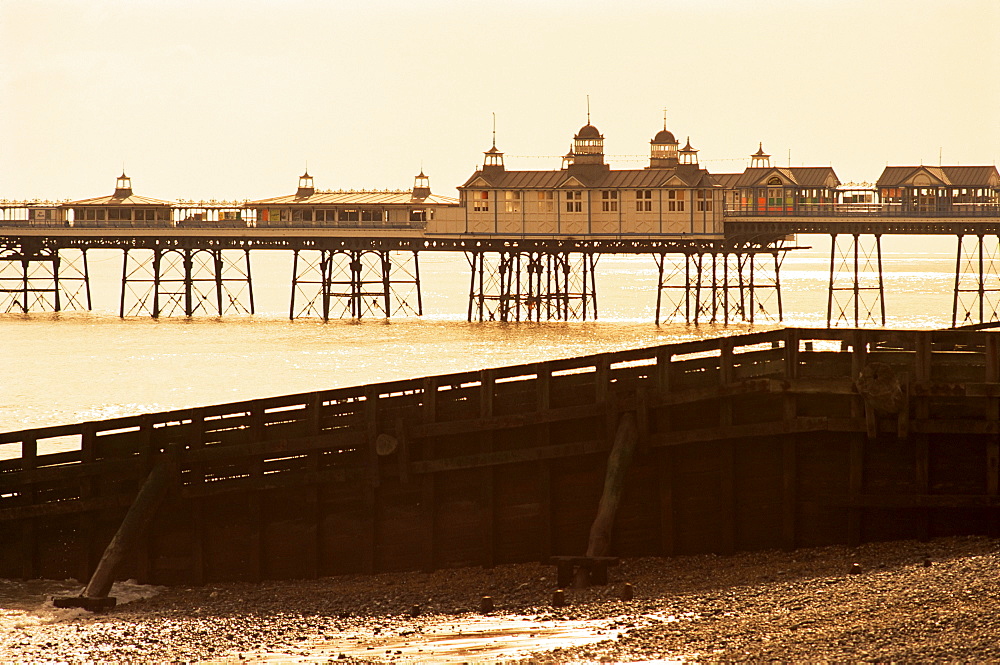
(79, 366)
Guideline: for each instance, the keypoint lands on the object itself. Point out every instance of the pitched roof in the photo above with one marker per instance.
(593, 178)
(802, 176)
(402, 197)
(727, 180)
(955, 176)
(112, 200)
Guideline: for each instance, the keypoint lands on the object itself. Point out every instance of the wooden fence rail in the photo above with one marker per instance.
(753, 441)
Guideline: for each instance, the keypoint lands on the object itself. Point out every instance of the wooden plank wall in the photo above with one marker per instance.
(751, 442)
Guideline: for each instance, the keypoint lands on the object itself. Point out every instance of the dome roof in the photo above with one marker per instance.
(664, 136)
(588, 131)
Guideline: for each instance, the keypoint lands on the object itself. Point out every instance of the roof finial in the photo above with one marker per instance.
(664, 117)
(588, 109)
(494, 129)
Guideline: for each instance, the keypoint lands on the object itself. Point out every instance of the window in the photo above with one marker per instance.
(349, 216)
(609, 200)
(274, 215)
(512, 201)
(644, 200)
(228, 215)
(546, 202)
(371, 215)
(704, 200)
(119, 214)
(417, 215)
(574, 201)
(326, 215)
(481, 201)
(675, 200)
(299, 215)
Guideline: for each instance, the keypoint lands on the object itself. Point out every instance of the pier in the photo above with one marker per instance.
(532, 240)
(783, 439)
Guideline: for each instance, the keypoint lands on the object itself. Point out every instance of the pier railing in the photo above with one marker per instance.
(760, 440)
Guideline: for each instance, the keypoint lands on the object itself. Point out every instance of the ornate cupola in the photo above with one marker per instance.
(493, 161)
(588, 145)
(760, 159)
(123, 186)
(688, 154)
(568, 158)
(663, 149)
(421, 186)
(306, 187)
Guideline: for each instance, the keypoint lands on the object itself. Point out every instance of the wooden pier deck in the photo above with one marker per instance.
(759, 441)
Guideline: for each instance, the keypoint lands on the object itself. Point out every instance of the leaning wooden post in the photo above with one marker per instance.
(619, 460)
(95, 596)
(614, 484)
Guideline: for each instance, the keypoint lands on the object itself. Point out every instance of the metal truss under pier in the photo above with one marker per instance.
(719, 287)
(185, 281)
(35, 278)
(532, 286)
(856, 294)
(353, 283)
(977, 280)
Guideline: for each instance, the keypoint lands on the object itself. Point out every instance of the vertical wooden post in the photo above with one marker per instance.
(727, 496)
(789, 447)
(665, 457)
(726, 375)
(789, 493)
(314, 428)
(428, 498)
(255, 499)
(29, 537)
(992, 350)
(921, 441)
(197, 478)
(88, 490)
(149, 448)
(487, 380)
(543, 399)
(372, 486)
(856, 453)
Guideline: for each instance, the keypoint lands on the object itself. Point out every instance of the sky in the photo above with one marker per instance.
(227, 99)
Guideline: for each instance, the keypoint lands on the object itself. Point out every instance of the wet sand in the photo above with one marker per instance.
(906, 601)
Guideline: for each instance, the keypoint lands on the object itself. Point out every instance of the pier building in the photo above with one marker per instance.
(371, 210)
(761, 187)
(957, 190)
(586, 197)
(122, 206)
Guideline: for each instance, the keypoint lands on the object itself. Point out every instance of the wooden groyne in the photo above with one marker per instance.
(781, 439)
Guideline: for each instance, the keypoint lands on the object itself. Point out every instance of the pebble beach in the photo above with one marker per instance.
(900, 601)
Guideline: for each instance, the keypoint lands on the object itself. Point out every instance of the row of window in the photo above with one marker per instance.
(122, 214)
(334, 215)
(957, 194)
(510, 200)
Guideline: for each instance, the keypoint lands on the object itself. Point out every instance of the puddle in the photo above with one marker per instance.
(470, 640)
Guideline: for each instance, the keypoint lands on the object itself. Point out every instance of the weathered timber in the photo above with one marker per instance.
(95, 594)
(749, 442)
(589, 569)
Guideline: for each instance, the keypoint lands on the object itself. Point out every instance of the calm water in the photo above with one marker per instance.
(83, 366)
